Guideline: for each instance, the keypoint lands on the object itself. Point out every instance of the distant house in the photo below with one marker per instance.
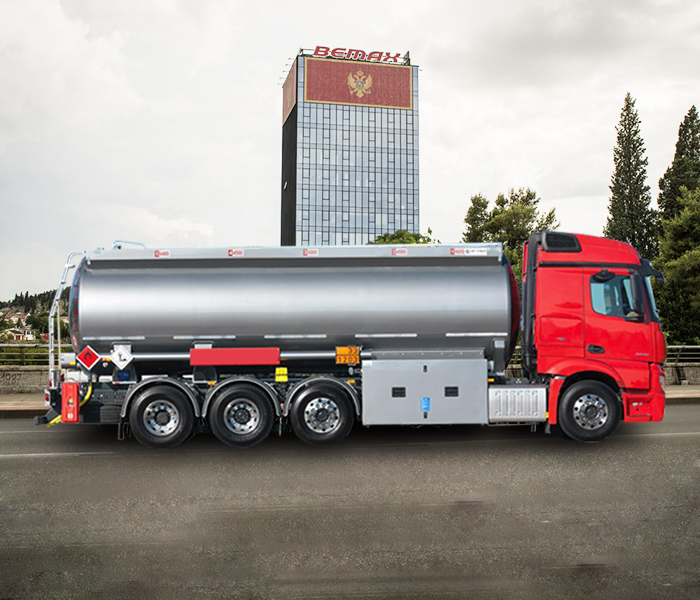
(16, 318)
(22, 334)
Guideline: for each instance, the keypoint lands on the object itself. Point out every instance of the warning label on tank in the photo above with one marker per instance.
(88, 357)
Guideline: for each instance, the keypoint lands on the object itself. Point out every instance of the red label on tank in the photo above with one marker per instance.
(235, 252)
(399, 251)
(161, 253)
(311, 252)
(213, 357)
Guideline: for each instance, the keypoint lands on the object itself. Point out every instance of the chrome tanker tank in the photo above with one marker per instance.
(440, 297)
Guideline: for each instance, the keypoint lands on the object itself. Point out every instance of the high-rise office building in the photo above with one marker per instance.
(349, 147)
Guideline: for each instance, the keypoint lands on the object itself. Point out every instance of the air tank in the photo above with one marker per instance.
(403, 298)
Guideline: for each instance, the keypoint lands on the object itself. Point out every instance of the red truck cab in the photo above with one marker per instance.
(591, 330)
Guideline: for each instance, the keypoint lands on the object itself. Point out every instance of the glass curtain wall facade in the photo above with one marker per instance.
(349, 172)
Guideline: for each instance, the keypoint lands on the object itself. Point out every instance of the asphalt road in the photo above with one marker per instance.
(465, 512)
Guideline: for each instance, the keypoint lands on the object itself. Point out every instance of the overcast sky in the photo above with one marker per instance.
(160, 120)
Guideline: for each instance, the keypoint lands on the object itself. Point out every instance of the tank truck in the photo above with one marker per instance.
(242, 341)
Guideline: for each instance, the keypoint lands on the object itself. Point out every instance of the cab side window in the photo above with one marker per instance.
(612, 297)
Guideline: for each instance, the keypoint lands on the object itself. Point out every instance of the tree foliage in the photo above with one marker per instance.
(511, 221)
(24, 302)
(679, 299)
(679, 260)
(631, 218)
(402, 236)
(685, 169)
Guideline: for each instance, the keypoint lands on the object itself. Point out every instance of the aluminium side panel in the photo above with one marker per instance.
(424, 391)
(517, 404)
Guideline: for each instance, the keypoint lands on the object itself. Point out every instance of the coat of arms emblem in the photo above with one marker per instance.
(359, 84)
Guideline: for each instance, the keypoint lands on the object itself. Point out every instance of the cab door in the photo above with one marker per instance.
(616, 328)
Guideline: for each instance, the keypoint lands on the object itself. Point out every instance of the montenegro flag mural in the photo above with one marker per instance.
(332, 81)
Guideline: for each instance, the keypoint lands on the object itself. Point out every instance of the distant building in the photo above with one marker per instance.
(21, 334)
(16, 318)
(349, 147)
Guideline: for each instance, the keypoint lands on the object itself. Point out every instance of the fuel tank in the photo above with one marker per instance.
(439, 297)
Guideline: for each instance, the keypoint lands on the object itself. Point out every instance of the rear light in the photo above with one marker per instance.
(70, 402)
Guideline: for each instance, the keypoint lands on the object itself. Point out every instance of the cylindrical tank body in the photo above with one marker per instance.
(425, 300)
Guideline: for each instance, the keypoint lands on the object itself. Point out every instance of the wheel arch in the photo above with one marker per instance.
(588, 376)
(266, 388)
(567, 373)
(156, 381)
(342, 386)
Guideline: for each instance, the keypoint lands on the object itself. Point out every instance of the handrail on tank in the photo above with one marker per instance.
(55, 315)
(116, 244)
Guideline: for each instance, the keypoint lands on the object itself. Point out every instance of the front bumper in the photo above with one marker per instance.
(647, 405)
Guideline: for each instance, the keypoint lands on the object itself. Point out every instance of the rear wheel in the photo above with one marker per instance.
(241, 415)
(322, 415)
(161, 417)
(589, 411)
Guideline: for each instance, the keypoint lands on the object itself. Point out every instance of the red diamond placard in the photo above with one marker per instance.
(88, 357)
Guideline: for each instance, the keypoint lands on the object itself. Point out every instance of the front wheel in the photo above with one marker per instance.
(322, 415)
(589, 411)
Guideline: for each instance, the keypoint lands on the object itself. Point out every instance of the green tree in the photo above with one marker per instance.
(685, 169)
(401, 236)
(679, 260)
(476, 220)
(511, 221)
(39, 323)
(631, 218)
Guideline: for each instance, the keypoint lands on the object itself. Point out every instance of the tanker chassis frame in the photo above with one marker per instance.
(592, 356)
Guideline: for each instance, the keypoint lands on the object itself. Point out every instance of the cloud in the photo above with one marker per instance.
(162, 231)
(55, 75)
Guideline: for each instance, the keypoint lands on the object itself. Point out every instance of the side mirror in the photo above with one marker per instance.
(648, 271)
(637, 312)
(603, 276)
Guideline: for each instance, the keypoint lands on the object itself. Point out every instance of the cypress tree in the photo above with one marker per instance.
(679, 298)
(631, 219)
(685, 169)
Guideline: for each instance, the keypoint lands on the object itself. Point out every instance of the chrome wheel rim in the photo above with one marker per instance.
(161, 418)
(591, 412)
(322, 415)
(241, 416)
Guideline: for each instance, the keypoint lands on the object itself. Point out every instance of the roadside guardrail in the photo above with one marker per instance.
(26, 355)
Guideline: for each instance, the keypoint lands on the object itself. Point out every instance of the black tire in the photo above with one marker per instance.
(322, 415)
(589, 411)
(241, 415)
(161, 417)
(557, 431)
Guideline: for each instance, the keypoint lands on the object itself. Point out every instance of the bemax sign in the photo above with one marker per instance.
(351, 54)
